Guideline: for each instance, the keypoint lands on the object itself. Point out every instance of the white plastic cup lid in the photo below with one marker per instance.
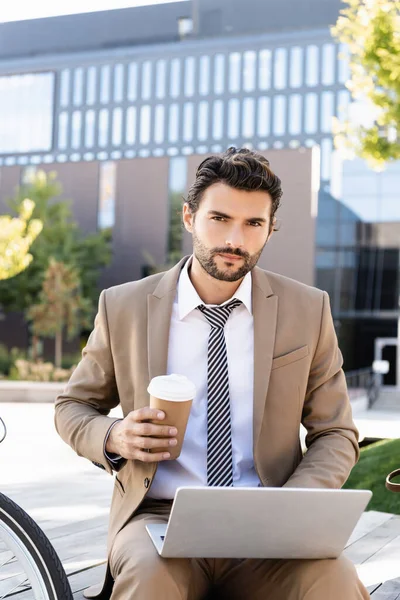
(172, 387)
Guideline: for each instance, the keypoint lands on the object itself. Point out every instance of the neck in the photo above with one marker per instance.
(211, 290)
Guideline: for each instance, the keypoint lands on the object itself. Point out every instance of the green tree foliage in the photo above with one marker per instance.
(62, 240)
(370, 28)
(61, 306)
(16, 237)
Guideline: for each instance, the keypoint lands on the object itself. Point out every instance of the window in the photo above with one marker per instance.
(204, 76)
(117, 127)
(234, 72)
(327, 111)
(185, 26)
(105, 84)
(118, 83)
(311, 113)
(326, 156)
(175, 82)
(63, 131)
(279, 120)
(159, 124)
(202, 129)
(343, 103)
(89, 128)
(295, 114)
(132, 82)
(91, 86)
(264, 116)
(146, 80)
(64, 87)
(248, 117)
(312, 66)
(103, 128)
(173, 128)
(296, 67)
(190, 66)
(280, 68)
(177, 183)
(161, 74)
(131, 126)
(328, 64)
(188, 121)
(344, 63)
(76, 129)
(218, 119)
(264, 70)
(233, 118)
(78, 87)
(249, 71)
(145, 120)
(107, 184)
(219, 73)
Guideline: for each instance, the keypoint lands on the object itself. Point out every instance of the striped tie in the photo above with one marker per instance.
(219, 442)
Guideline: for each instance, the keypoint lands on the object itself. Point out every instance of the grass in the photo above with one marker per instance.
(376, 461)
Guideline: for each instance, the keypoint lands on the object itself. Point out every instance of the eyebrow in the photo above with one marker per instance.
(217, 213)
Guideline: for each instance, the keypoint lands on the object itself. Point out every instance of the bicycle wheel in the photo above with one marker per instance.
(29, 566)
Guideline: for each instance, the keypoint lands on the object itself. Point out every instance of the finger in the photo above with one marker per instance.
(146, 413)
(150, 442)
(149, 457)
(151, 429)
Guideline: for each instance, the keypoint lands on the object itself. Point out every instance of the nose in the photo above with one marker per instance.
(235, 238)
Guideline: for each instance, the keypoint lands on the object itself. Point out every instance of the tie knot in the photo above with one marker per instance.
(217, 316)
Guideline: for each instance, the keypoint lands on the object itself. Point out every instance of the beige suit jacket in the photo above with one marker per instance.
(297, 378)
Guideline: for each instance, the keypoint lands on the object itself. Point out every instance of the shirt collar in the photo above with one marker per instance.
(188, 298)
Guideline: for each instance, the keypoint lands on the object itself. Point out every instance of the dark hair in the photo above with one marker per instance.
(242, 169)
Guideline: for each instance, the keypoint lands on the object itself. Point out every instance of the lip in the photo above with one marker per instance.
(231, 257)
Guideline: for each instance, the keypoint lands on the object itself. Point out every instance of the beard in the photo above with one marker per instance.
(206, 258)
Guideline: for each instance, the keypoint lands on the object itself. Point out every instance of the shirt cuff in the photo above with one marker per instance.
(114, 459)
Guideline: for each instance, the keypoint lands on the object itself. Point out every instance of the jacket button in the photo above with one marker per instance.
(146, 482)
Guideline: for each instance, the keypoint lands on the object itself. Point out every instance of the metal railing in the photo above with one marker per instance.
(361, 382)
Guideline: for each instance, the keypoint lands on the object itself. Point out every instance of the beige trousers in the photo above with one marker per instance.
(141, 574)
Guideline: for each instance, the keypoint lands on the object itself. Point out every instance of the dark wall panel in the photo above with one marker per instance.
(9, 180)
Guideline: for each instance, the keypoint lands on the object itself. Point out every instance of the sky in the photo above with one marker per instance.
(18, 10)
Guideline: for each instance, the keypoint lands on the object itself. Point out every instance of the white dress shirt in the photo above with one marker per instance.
(187, 355)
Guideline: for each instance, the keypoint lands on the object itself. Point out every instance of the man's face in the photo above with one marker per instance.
(230, 230)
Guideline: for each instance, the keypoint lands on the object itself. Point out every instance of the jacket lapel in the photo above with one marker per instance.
(159, 307)
(265, 310)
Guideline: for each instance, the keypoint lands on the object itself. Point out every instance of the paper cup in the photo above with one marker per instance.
(173, 394)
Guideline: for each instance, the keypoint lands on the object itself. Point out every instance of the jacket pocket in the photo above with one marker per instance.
(287, 359)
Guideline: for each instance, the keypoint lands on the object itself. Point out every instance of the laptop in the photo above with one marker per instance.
(247, 522)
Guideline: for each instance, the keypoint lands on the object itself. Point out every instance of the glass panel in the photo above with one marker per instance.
(159, 121)
(311, 113)
(204, 83)
(344, 63)
(264, 70)
(63, 131)
(78, 87)
(248, 117)
(117, 127)
(296, 67)
(327, 111)
(312, 66)
(145, 119)
(188, 121)
(131, 125)
(89, 128)
(279, 119)
(118, 83)
(233, 118)
(105, 84)
(146, 80)
(132, 81)
(190, 66)
(103, 128)
(218, 119)
(161, 75)
(202, 129)
(249, 71)
(343, 105)
(295, 114)
(64, 87)
(91, 85)
(326, 156)
(280, 68)
(107, 185)
(234, 71)
(175, 83)
(264, 116)
(328, 64)
(173, 127)
(219, 73)
(177, 183)
(76, 129)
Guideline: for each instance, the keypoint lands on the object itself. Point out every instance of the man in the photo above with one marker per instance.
(262, 351)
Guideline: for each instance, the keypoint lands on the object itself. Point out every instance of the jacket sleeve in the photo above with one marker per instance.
(332, 438)
(81, 409)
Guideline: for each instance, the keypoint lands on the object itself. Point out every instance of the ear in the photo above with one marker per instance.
(272, 229)
(187, 218)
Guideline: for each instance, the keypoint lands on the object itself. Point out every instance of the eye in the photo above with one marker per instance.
(255, 223)
(218, 218)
